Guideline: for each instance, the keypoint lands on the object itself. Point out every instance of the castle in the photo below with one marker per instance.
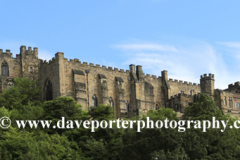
(129, 92)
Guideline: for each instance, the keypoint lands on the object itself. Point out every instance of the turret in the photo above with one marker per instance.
(132, 68)
(29, 51)
(140, 74)
(164, 75)
(207, 84)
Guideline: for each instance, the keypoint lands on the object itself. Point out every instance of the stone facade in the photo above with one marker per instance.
(129, 92)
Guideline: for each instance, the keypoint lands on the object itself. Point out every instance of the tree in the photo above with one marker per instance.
(103, 143)
(65, 107)
(149, 141)
(22, 145)
(30, 111)
(178, 154)
(203, 109)
(101, 112)
(212, 144)
(23, 91)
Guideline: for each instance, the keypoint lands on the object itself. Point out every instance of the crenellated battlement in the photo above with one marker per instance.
(23, 50)
(207, 84)
(152, 76)
(182, 95)
(109, 68)
(235, 85)
(7, 52)
(207, 77)
(139, 92)
(51, 60)
(182, 82)
(45, 62)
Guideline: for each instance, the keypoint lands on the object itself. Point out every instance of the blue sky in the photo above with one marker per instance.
(185, 37)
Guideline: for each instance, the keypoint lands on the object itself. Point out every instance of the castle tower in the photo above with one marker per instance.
(207, 84)
(29, 62)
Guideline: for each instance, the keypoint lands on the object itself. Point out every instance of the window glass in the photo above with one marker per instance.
(230, 102)
(4, 69)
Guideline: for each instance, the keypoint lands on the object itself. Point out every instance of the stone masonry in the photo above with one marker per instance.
(129, 92)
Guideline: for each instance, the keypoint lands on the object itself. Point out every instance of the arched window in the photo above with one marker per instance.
(49, 91)
(4, 69)
(127, 106)
(94, 101)
(156, 106)
(111, 102)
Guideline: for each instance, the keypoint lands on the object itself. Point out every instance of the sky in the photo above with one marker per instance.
(188, 38)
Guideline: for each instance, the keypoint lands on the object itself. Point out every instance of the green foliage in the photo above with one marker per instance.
(101, 112)
(79, 143)
(22, 145)
(161, 114)
(96, 149)
(27, 112)
(203, 109)
(62, 107)
(178, 154)
(23, 91)
(142, 145)
(4, 112)
(212, 144)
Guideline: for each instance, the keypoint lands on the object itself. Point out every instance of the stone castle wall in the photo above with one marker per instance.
(131, 91)
(19, 66)
(186, 87)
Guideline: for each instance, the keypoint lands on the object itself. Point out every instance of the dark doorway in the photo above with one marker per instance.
(49, 91)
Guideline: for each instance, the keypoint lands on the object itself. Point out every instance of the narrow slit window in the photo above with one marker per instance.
(230, 102)
(225, 101)
(49, 91)
(111, 102)
(94, 101)
(237, 105)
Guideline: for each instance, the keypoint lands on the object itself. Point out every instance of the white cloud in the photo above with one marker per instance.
(233, 49)
(44, 55)
(147, 46)
(231, 44)
(183, 63)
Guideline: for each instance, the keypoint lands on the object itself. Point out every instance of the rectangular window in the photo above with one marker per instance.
(237, 105)
(31, 70)
(230, 102)
(190, 92)
(225, 101)
(182, 92)
(176, 107)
